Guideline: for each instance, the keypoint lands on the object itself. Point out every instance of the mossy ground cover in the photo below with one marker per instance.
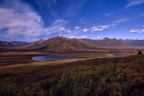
(93, 77)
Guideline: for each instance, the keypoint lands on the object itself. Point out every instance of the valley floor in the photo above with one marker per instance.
(23, 58)
(92, 74)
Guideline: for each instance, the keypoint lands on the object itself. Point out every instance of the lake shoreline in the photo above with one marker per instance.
(44, 58)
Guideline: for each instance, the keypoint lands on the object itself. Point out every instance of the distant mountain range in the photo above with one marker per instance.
(70, 44)
(134, 42)
(106, 42)
(13, 44)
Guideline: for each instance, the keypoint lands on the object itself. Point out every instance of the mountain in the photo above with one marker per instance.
(65, 44)
(5, 44)
(134, 42)
(19, 43)
(61, 44)
(13, 44)
(106, 42)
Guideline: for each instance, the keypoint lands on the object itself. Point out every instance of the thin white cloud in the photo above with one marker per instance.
(79, 37)
(91, 29)
(82, 37)
(114, 27)
(72, 36)
(82, 19)
(120, 20)
(109, 26)
(61, 29)
(69, 31)
(23, 23)
(135, 2)
(137, 31)
(85, 30)
(98, 37)
(97, 29)
(77, 27)
(57, 27)
(60, 22)
(113, 24)
(142, 30)
(26, 23)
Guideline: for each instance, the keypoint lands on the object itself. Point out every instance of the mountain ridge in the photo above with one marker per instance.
(134, 42)
(62, 44)
(13, 43)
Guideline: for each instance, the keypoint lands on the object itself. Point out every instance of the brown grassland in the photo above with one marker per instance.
(93, 73)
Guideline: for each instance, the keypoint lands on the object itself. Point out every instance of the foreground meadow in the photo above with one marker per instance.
(123, 76)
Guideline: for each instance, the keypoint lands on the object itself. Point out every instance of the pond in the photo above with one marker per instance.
(42, 58)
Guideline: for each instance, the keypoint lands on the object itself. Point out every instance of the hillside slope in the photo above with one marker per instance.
(62, 44)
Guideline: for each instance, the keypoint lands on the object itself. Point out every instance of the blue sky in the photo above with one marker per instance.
(31, 20)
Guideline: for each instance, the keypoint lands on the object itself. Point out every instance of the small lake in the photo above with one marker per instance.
(42, 58)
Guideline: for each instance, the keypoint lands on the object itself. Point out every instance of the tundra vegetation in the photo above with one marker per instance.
(122, 76)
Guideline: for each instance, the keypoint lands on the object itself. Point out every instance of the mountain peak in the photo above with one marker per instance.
(60, 37)
(57, 38)
(106, 38)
